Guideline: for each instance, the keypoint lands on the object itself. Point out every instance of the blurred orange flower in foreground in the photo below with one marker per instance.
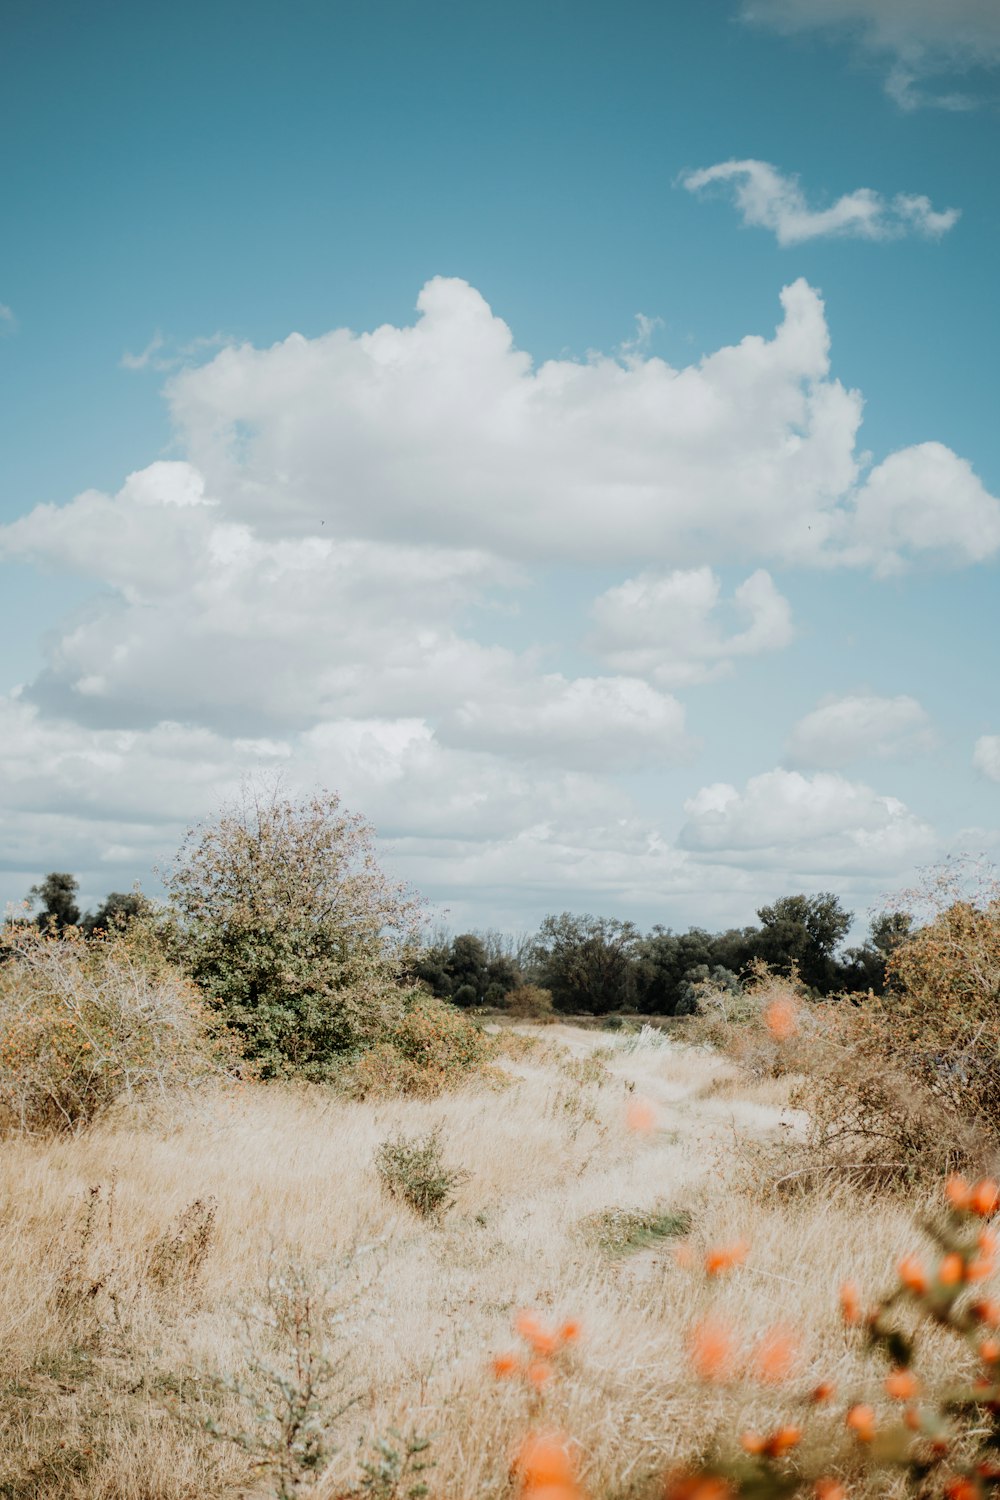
(902, 1385)
(775, 1355)
(682, 1485)
(861, 1420)
(546, 1469)
(724, 1257)
(781, 1019)
(712, 1350)
(640, 1116)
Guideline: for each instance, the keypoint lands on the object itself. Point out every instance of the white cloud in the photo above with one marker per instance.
(918, 38)
(771, 200)
(806, 826)
(445, 433)
(845, 729)
(986, 756)
(923, 499)
(593, 722)
(667, 626)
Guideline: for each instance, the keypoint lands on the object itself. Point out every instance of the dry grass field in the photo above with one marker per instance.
(156, 1260)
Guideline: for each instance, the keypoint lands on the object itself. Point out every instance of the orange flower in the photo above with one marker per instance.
(640, 1116)
(822, 1392)
(829, 1489)
(912, 1274)
(987, 1311)
(683, 1485)
(989, 1351)
(568, 1332)
(775, 1355)
(980, 1268)
(712, 1351)
(911, 1417)
(861, 1420)
(546, 1469)
(782, 1440)
(902, 1385)
(533, 1333)
(726, 1256)
(506, 1365)
(752, 1442)
(957, 1190)
(985, 1197)
(850, 1302)
(961, 1488)
(538, 1373)
(781, 1019)
(949, 1272)
(988, 1242)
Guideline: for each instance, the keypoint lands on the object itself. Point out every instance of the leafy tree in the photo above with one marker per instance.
(116, 910)
(467, 972)
(805, 931)
(588, 963)
(866, 966)
(57, 892)
(291, 928)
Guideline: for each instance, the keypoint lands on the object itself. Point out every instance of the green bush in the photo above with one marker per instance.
(424, 1048)
(412, 1168)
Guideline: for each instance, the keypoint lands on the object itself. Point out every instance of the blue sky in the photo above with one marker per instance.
(591, 589)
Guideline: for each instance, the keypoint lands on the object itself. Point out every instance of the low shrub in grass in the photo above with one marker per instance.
(86, 1023)
(412, 1169)
(424, 1049)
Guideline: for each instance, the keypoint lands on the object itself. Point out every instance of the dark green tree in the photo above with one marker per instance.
(116, 910)
(587, 963)
(805, 931)
(57, 893)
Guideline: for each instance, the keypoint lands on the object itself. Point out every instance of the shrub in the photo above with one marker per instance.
(84, 1024)
(529, 1002)
(412, 1168)
(617, 1231)
(292, 930)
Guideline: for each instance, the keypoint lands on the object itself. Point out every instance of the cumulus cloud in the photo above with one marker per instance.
(917, 38)
(845, 729)
(676, 628)
(772, 200)
(444, 432)
(986, 756)
(587, 721)
(810, 825)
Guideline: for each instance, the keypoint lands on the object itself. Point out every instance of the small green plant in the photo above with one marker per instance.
(296, 1389)
(395, 1472)
(617, 1231)
(412, 1168)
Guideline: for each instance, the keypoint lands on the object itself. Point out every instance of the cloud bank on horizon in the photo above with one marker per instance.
(309, 589)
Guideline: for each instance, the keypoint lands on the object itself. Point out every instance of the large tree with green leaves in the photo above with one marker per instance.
(292, 929)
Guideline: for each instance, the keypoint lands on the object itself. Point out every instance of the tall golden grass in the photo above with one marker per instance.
(138, 1263)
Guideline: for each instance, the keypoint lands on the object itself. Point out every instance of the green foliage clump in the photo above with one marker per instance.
(425, 1047)
(84, 1024)
(617, 1231)
(412, 1168)
(292, 930)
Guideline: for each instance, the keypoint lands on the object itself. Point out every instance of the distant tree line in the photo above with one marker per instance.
(595, 965)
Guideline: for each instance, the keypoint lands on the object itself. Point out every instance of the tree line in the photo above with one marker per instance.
(596, 965)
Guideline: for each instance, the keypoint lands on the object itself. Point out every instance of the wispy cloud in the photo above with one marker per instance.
(772, 200)
(162, 354)
(8, 322)
(919, 39)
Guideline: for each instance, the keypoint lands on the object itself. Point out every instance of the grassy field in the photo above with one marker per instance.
(152, 1262)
